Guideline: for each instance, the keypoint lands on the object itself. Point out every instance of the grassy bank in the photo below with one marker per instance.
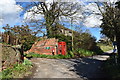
(105, 47)
(17, 71)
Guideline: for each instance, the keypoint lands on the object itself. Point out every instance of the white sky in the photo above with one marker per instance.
(9, 12)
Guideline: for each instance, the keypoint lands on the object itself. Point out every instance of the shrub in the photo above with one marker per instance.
(27, 62)
(97, 50)
(83, 52)
(71, 54)
(68, 56)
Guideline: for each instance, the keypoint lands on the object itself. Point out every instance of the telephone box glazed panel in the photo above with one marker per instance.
(62, 48)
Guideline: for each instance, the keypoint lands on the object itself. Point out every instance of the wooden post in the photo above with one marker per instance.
(72, 34)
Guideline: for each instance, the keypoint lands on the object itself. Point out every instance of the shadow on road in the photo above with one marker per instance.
(90, 69)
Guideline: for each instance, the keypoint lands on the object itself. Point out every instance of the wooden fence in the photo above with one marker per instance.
(8, 39)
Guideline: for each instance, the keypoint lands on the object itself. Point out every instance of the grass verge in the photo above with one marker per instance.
(18, 70)
(59, 56)
(71, 54)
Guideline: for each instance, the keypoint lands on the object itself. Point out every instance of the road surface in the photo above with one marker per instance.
(82, 68)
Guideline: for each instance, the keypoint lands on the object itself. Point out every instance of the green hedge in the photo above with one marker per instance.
(83, 52)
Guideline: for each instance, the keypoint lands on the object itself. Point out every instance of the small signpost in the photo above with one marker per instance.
(114, 46)
(114, 43)
(114, 50)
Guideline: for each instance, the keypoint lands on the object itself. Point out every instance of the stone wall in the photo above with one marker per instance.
(10, 56)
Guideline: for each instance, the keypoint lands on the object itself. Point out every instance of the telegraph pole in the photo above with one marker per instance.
(115, 48)
(72, 33)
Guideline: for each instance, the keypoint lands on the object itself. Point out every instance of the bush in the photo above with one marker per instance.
(97, 50)
(27, 62)
(84, 53)
(71, 54)
(68, 56)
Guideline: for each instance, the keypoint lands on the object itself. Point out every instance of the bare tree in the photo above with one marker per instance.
(52, 12)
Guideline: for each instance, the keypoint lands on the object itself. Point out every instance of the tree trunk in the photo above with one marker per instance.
(8, 39)
(16, 41)
(48, 33)
(49, 22)
(49, 30)
(22, 52)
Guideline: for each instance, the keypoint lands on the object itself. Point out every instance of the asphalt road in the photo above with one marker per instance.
(83, 68)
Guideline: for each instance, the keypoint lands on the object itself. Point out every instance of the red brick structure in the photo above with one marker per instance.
(47, 46)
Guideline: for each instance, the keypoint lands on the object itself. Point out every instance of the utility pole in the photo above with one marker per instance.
(115, 48)
(72, 33)
(114, 42)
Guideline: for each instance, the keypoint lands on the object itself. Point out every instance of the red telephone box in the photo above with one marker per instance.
(62, 48)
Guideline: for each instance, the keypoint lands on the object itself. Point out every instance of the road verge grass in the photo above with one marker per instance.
(17, 71)
(71, 54)
(59, 56)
